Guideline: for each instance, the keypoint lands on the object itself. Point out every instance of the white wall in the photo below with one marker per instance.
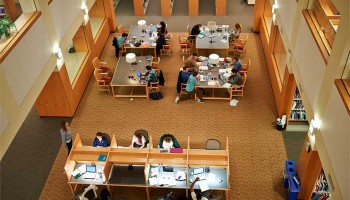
(22, 67)
(287, 11)
(310, 62)
(63, 16)
(335, 132)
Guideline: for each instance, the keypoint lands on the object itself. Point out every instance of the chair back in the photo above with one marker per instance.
(108, 138)
(212, 144)
(96, 63)
(246, 67)
(121, 29)
(189, 30)
(142, 132)
(97, 74)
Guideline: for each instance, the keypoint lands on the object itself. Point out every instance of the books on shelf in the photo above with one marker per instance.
(321, 190)
(298, 112)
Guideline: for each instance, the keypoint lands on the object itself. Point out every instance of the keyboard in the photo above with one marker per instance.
(89, 175)
(200, 176)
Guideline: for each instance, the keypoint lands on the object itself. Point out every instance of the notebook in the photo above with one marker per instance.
(203, 186)
(176, 150)
(102, 157)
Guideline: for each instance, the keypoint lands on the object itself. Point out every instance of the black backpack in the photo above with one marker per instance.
(156, 95)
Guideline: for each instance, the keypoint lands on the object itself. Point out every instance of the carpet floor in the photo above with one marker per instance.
(293, 142)
(256, 148)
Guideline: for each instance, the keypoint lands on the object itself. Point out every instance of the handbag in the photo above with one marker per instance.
(156, 95)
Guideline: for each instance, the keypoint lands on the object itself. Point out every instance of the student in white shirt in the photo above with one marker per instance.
(195, 196)
(138, 141)
(168, 143)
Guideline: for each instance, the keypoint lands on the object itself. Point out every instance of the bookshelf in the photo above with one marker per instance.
(297, 113)
(321, 188)
(167, 7)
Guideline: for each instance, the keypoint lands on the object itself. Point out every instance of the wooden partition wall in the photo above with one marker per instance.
(147, 157)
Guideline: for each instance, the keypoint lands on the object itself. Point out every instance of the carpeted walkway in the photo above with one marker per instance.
(293, 142)
(257, 151)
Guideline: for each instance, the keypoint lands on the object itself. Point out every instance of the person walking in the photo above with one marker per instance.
(66, 135)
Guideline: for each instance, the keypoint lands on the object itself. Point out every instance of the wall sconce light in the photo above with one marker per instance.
(315, 124)
(58, 52)
(85, 8)
(274, 8)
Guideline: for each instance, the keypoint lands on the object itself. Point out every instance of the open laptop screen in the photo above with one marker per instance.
(91, 168)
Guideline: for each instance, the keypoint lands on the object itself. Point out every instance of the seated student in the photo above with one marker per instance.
(185, 75)
(190, 89)
(237, 31)
(160, 42)
(237, 65)
(163, 28)
(235, 79)
(170, 140)
(191, 62)
(196, 30)
(195, 196)
(151, 75)
(100, 141)
(138, 141)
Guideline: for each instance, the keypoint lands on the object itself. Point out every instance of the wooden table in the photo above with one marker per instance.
(122, 79)
(213, 82)
(204, 47)
(148, 42)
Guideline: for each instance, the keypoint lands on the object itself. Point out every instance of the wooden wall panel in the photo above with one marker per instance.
(55, 103)
(220, 7)
(166, 10)
(68, 89)
(109, 10)
(101, 38)
(138, 8)
(79, 41)
(193, 7)
(258, 14)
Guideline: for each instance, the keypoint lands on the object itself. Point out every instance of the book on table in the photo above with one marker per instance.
(102, 157)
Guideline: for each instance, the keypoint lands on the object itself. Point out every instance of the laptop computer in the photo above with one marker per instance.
(198, 171)
(91, 168)
(89, 175)
(138, 73)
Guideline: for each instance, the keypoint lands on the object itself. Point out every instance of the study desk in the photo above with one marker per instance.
(99, 179)
(211, 81)
(122, 176)
(136, 34)
(168, 179)
(122, 80)
(219, 45)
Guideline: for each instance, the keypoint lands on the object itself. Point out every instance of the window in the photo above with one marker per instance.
(280, 55)
(14, 14)
(97, 16)
(74, 55)
(268, 16)
(325, 17)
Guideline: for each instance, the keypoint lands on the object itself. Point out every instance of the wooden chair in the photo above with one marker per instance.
(102, 67)
(240, 46)
(185, 46)
(183, 88)
(122, 30)
(154, 87)
(155, 65)
(245, 67)
(103, 82)
(212, 144)
(166, 50)
(237, 90)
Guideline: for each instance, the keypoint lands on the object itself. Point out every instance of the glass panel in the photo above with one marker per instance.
(268, 16)
(326, 19)
(346, 75)
(14, 14)
(280, 55)
(97, 15)
(74, 55)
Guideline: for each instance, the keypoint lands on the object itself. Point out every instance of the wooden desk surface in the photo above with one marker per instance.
(203, 43)
(218, 183)
(135, 31)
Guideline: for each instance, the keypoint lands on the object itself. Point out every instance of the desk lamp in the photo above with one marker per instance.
(131, 58)
(142, 25)
(212, 27)
(214, 59)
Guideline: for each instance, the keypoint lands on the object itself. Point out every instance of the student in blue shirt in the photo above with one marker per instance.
(185, 75)
(100, 141)
(190, 89)
(237, 65)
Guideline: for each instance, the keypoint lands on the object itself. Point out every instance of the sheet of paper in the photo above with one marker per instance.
(172, 182)
(212, 83)
(221, 59)
(163, 181)
(153, 181)
(226, 85)
(82, 168)
(203, 186)
(203, 67)
(211, 177)
(223, 41)
(222, 71)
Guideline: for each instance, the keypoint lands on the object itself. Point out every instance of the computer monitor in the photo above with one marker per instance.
(198, 171)
(91, 168)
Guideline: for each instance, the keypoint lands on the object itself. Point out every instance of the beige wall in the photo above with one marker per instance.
(320, 98)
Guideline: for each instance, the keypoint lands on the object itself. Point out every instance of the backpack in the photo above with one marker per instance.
(156, 95)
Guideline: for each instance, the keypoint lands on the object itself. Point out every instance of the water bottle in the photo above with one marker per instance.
(150, 33)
